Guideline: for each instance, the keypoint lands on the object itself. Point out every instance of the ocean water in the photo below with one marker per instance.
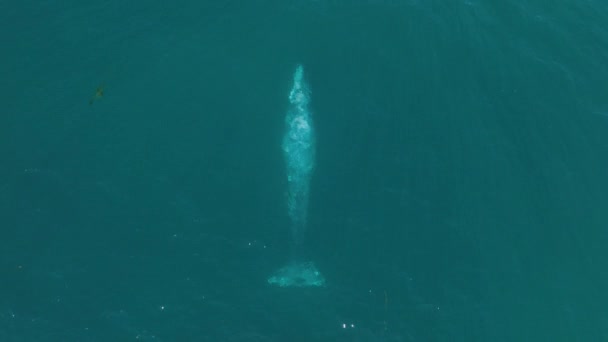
(460, 190)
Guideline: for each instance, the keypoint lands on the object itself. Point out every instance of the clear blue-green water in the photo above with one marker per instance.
(460, 190)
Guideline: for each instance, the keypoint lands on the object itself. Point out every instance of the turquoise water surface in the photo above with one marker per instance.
(459, 193)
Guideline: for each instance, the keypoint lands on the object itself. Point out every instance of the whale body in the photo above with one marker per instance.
(299, 150)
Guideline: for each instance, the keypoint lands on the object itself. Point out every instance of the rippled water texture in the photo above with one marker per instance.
(459, 189)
